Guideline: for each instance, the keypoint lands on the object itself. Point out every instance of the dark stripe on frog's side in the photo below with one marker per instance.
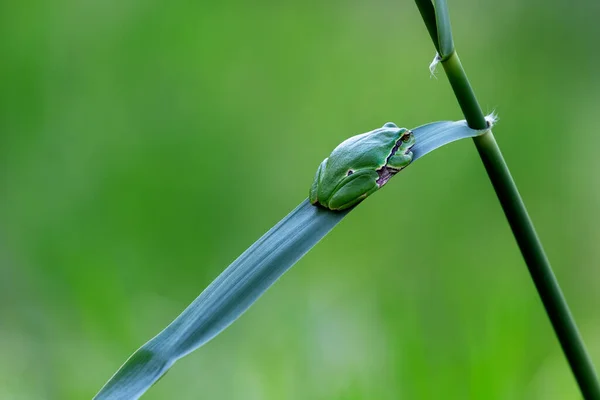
(385, 173)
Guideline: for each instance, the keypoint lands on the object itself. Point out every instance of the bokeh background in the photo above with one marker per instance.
(145, 144)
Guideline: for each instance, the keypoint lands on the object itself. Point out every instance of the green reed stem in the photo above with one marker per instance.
(518, 218)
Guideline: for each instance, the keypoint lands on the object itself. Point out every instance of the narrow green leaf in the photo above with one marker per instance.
(225, 299)
(444, 30)
(246, 279)
(437, 134)
(428, 14)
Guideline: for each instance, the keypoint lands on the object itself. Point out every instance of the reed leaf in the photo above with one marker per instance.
(246, 279)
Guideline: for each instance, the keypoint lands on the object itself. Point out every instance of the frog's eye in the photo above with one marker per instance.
(350, 172)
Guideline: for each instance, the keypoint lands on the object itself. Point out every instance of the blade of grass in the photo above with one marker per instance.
(246, 279)
(428, 14)
(518, 218)
(444, 30)
(437, 134)
(224, 300)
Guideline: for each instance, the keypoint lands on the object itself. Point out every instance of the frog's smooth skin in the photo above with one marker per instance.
(360, 165)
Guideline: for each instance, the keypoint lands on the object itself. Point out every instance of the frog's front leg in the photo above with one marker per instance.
(355, 189)
(400, 161)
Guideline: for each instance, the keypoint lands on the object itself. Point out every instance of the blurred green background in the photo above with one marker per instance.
(145, 144)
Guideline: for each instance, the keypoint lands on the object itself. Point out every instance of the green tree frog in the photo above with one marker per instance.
(360, 165)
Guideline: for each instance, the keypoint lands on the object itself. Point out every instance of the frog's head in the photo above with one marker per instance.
(360, 165)
(406, 139)
(400, 157)
(405, 142)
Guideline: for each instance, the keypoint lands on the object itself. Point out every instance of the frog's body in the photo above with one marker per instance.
(360, 165)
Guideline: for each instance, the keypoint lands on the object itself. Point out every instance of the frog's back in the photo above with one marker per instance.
(368, 150)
